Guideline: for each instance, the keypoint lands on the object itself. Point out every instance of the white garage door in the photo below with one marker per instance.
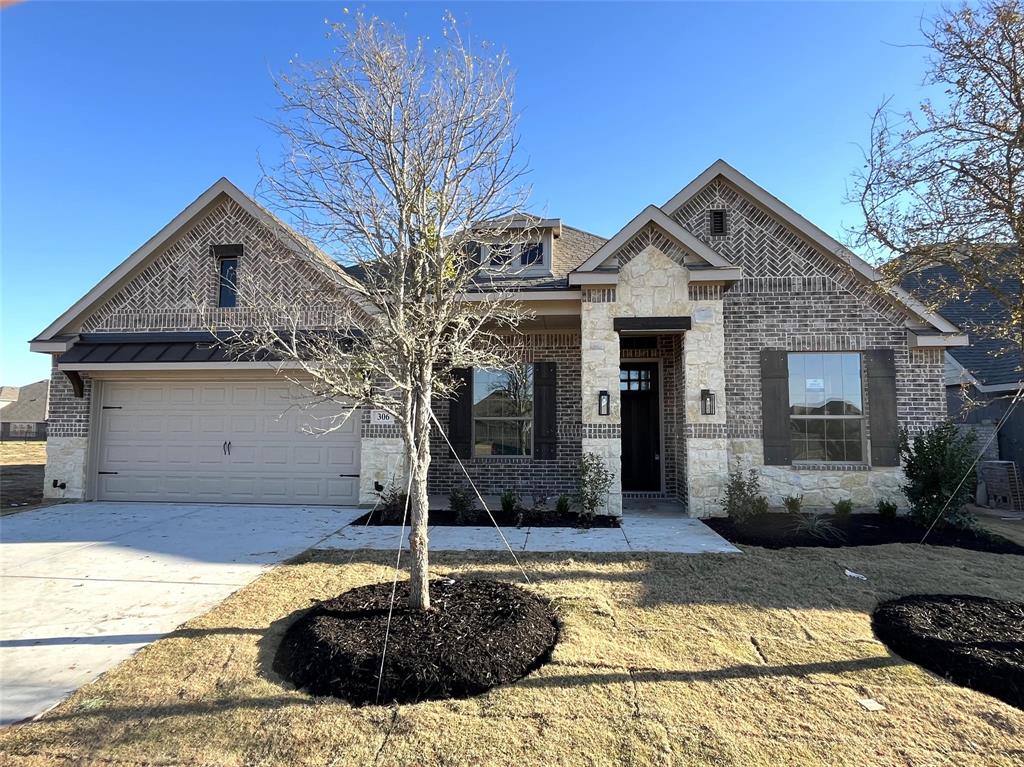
(224, 442)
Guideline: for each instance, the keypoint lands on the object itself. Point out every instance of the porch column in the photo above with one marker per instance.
(707, 459)
(599, 371)
(382, 458)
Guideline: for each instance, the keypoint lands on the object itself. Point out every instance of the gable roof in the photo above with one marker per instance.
(991, 362)
(809, 231)
(299, 245)
(30, 406)
(653, 215)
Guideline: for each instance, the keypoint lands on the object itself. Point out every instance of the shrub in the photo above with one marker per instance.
(510, 502)
(935, 463)
(460, 502)
(887, 510)
(793, 503)
(391, 506)
(743, 499)
(818, 527)
(595, 482)
(843, 509)
(562, 504)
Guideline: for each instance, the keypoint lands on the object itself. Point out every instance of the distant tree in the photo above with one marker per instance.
(942, 187)
(396, 151)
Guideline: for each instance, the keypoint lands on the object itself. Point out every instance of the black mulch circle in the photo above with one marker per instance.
(478, 634)
(778, 530)
(975, 642)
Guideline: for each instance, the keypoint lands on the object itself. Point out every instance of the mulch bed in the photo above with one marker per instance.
(478, 634)
(975, 642)
(479, 518)
(776, 531)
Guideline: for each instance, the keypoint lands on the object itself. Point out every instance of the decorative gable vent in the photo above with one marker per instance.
(717, 223)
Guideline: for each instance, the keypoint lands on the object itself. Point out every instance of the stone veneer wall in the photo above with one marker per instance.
(67, 441)
(527, 476)
(382, 458)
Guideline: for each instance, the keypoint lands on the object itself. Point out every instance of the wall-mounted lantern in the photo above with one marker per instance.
(707, 402)
(604, 403)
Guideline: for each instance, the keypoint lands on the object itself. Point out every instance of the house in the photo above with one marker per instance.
(24, 417)
(719, 329)
(981, 379)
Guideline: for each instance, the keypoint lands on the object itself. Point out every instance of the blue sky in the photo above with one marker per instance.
(116, 115)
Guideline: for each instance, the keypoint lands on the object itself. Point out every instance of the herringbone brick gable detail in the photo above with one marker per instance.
(178, 289)
(774, 258)
(651, 234)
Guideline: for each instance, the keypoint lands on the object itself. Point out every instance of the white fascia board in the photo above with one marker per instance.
(518, 296)
(182, 366)
(725, 274)
(593, 278)
(51, 347)
(652, 214)
(125, 269)
(808, 230)
(931, 339)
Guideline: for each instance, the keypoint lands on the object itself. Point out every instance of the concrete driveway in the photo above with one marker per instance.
(83, 586)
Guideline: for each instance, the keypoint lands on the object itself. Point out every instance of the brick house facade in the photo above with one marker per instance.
(696, 299)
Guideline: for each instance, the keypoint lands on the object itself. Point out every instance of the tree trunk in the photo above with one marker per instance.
(419, 465)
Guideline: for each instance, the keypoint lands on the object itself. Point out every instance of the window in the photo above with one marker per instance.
(532, 254)
(228, 282)
(503, 412)
(826, 407)
(23, 429)
(716, 223)
(634, 380)
(500, 254)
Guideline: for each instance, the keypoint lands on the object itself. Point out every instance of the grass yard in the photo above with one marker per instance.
(21, 474)
(751, 659)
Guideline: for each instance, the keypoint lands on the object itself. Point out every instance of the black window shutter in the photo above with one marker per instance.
(460, 413)
(775, 407)
(881, 374)
(545, 428)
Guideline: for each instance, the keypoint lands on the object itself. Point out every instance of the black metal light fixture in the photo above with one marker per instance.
(604, 403)
(707, 402)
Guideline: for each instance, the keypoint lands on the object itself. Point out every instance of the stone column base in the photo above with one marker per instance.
(66, 461)
(707, 474)
(610, 451)
(382, 460)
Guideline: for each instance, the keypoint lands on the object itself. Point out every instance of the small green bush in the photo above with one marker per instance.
(743, 499)
(887, 510)
(562, 504)
(510, 502)
(934, 463)
(595, 482)
(843, 509)
(793, 503)
(460, 501)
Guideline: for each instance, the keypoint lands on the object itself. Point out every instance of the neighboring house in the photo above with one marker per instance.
(981, 379)
(719, 329)
(24, 418)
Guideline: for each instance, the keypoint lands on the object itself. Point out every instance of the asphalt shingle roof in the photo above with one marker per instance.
(990, 360)
(30, 407)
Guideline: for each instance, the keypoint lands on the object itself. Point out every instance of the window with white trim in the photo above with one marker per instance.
(826, 407)
(503, 412)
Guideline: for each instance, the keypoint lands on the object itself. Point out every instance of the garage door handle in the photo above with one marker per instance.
(106, 472)
(229, 448)
(348, 475)
(224, 447)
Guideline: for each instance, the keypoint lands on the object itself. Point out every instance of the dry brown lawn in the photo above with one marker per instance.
(754, 659)
(21, 474)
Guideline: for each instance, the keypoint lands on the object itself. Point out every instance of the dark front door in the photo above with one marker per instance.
(641, 427)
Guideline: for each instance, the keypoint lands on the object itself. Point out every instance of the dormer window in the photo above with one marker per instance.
(500, 254)
(717, 224)
(532, 254)
(227, 274)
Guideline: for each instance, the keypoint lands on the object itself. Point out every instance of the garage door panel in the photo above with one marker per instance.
(166, 442)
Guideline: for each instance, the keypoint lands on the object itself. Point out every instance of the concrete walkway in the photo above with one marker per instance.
(640, 532)
(83, 586)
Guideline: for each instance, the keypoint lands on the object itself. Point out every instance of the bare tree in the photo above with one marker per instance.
(400, 159)
(942, 189)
